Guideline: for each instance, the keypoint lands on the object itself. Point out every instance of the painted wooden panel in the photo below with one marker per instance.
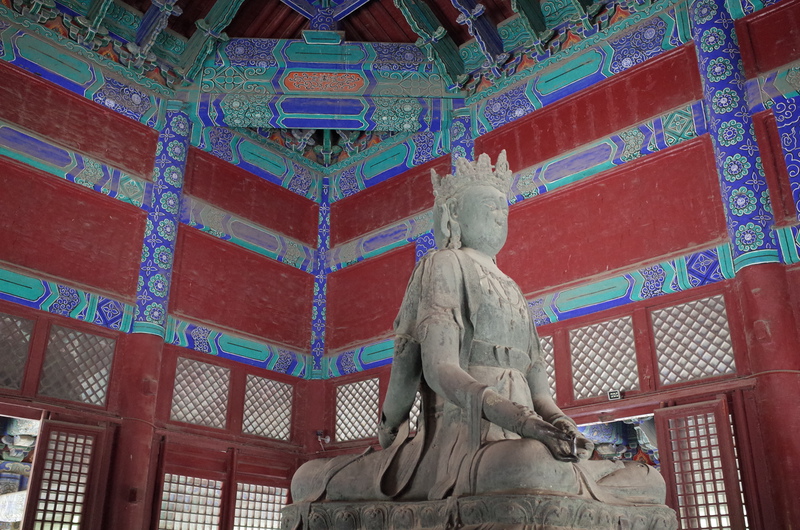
(219, 283)
(770, 38)
(76, 122)
(627, 98)
(391, 200)
(61, 229)
(224, 185)
(662, 205)
(363, 300)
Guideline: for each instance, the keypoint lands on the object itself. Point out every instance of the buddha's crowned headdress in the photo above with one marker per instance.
(477, 173)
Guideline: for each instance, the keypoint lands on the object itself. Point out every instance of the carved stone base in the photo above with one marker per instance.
(488, 512)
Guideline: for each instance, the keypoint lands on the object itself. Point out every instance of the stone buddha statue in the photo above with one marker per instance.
(489, 431)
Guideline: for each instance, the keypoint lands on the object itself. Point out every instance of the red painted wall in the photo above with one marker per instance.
(242, 193)
(664, 204)
(76, 122)
(222, 284)
(770, 38)
(64, 230)
(642, 92)
(363, 299)
(394, 199)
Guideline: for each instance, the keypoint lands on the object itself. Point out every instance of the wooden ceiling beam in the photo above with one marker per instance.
(210, 30)
(434, 41)
(473, 15)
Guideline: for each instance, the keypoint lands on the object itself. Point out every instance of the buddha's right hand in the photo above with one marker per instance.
(561, 444)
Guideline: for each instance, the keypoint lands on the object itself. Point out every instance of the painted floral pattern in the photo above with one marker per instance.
(724, 101)
(735, 167)
(748, 212)
(719, 69)
(161, 226)
(730, 133)
(749, 236)
(742, 201)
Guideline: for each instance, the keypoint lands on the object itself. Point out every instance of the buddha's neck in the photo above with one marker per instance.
(483, 259)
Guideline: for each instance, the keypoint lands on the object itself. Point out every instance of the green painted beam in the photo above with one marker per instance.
(209, 32)
(434, 41)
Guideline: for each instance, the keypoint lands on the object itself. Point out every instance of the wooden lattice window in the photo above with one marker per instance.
(698, 461)
(67, 479)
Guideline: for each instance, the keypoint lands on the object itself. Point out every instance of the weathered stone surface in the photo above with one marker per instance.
(486, 512)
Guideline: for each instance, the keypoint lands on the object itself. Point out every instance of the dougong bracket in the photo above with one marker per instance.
(209, 32)
(434, 41)
(473, 15)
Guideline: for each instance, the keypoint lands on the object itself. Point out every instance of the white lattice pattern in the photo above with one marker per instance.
(15, 336)
(267, 408)
(357, 410)
(413, 415)
(701, 494)
(258, 507)
(549, 362)
(693, 341)
(65, 477)
(603, 358)
(200, 395)
(190, 503)
(77, 366)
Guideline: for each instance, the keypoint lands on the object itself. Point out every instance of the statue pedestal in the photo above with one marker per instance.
(486, 512)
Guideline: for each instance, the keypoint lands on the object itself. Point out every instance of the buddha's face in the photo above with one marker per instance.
(482, 214)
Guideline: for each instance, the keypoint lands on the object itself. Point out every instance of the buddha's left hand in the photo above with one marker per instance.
(583, 446)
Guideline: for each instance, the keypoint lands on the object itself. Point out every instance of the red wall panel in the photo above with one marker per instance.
(642, 92)
(394, 199)
(770, 38)
(223, 284)
(665, 204)
(363, 299)
(75, 122)
(250, 196)
(64, 230)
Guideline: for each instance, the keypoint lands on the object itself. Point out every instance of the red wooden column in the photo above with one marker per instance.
(774, 354)
(132, 478)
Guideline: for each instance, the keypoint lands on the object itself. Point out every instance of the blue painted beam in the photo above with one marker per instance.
(302, 6)
(347, 7)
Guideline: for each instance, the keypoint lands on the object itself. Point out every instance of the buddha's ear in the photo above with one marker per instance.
(444, 222)
(450, 206)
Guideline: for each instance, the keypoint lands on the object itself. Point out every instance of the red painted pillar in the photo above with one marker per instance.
(774, 354)
(133, 479)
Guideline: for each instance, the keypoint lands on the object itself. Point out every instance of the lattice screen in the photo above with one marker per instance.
(603, 358)
(258, 507)
(549, 361)
(200, 395)
(15, 336)
(702, 466)
(267, 408)
(65, 477)
(693, 341)
(77, 366)
(357, 410)
(190, 503)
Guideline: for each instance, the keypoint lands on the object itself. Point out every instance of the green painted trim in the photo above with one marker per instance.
(788, 245)
(756, 258)
(149, 328)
